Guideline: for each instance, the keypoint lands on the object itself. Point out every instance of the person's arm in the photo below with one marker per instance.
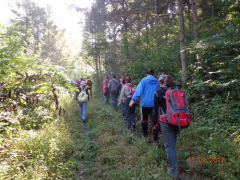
(109, 85)
(120, 87)
(86, 90)
(156, 105)
(121, 95)
(138, 92)
(77, 93)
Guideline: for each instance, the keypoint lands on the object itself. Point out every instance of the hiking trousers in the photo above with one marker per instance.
(145, 112)
(130, 114)
(106, 97)
(83, 110)
(89, 90)
(169, 134)
(114, 101)
(124, 110)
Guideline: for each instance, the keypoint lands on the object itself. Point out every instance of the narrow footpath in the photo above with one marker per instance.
(105, 149)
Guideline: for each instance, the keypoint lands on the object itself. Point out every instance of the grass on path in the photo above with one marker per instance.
(107, 150)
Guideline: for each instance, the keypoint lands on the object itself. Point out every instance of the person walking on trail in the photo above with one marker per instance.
(105, 89)
(89, 86)
(113, 89)
(145, 89)
(126, 96)
(78, 82)
(169, 132)
(122, 102)
(82, 104)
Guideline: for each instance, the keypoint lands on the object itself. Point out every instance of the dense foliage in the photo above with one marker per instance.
(38, 115)
(32, 92)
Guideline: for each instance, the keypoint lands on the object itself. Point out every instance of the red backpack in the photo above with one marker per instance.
(131, 91)
(177, 112)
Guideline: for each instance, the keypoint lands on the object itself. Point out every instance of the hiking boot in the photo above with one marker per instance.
(133, 127)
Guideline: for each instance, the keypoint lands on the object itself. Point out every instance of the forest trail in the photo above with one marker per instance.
(107, 150)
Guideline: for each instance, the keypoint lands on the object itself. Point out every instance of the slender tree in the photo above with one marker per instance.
(183, 49)
(195, 17)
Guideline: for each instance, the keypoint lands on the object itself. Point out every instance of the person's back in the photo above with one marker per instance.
(169, 132)
(82, 105)
(146, 89)
(89, 85)
(113, 89)
(126, 94)
(122, 101)
(105, 89)
(113, 85)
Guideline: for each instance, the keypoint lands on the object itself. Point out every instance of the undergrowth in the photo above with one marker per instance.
(107, 150)
(39, 145)
(103, 148)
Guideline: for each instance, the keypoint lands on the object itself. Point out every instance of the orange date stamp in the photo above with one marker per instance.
(206, 160)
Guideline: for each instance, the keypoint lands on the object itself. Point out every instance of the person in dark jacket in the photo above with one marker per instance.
(113, 89)
(82, 105)
(169, 132)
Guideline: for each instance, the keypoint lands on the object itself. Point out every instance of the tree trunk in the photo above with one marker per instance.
(195, 17)
(125, 37)
(96, 64)
(213, 14)
(182, 42)
(147, 31)
(99, 64)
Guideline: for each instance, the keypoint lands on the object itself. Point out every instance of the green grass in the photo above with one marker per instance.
(102, 148)
(107, 150)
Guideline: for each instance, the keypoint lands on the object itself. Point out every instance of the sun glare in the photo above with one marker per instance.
(63, 15)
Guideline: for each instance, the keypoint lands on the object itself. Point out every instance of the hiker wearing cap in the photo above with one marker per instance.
(113, 89)
(82, 105)
(169, 132)
(145, 90)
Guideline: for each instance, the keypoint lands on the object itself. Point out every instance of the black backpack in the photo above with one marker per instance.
(89, 82)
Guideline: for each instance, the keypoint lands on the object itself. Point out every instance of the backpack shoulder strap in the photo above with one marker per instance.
(114, 82)
(83, 89)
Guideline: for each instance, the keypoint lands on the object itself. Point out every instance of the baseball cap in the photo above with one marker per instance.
(150, 72)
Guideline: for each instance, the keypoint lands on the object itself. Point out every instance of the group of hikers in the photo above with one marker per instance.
(150, 94)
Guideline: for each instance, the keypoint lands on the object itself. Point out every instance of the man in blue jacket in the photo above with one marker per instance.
(146, 89)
